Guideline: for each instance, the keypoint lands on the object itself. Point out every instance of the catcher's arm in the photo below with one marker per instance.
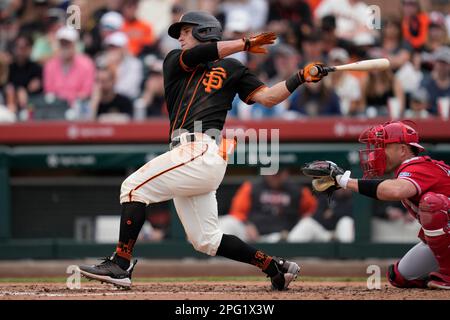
(388, 190)
(327, 176)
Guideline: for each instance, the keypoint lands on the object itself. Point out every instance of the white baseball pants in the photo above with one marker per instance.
(190, 175)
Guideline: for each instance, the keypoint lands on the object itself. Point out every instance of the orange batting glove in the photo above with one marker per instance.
(307, 77)
(254, 44)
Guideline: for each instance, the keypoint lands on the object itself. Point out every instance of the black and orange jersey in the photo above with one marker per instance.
(205, 92)
(243, 204)
(415, 30)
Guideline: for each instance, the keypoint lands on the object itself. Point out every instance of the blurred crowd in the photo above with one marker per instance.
(111, 68)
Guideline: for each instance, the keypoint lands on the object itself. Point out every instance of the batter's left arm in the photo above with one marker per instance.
(272, 96)
(206, 52)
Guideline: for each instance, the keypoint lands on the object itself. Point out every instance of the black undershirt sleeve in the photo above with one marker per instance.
(200, 54)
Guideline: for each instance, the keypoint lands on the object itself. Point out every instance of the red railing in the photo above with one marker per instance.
(156, 131)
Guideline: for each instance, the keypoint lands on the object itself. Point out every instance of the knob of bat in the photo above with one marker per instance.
(314, 71)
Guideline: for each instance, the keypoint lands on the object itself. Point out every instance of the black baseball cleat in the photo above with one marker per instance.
(287, 272)
(110, 272)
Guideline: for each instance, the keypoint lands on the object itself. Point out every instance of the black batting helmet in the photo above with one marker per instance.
(206, 26)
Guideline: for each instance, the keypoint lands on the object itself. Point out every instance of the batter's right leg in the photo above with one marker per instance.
(154, 182)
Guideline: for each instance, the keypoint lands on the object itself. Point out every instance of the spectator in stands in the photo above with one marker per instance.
(25, 76)
(315, 99)
(152, 99)
(331, 221)
(237, 26)
(129, 69)
(105, 103)
(415, 24)
(312, 46)
(268, 208)
(92, 38)
(69, 75)
(419, 105)
(214, 7)
(393, 47)
(329, 38)
(447, 23)
(410, 74)
(347, 87)
(9, 30)
(442, 6)
(437, 35)
(437, 83)
(351, 18)
(290, 20)
(286, 60)
(36, 16)
(109, 23)
(46, 44)
(166, 42)
(379, 89)
(257, 9)
(140, 33)
(4, 69)
(109, 6)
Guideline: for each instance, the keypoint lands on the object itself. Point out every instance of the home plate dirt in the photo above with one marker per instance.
(215, 290)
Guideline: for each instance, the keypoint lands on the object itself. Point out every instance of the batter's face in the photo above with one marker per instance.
(186, 39)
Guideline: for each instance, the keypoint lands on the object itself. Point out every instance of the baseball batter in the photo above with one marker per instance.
(200, 84)
(421, 184)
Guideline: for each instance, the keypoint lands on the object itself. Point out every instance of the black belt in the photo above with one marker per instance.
(190, 137)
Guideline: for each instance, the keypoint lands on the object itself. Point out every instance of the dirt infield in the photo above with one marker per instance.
(215, 290)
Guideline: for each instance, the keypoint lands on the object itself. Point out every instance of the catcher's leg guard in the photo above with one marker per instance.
(397, 280)
(434, 219)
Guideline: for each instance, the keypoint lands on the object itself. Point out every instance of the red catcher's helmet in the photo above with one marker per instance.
(373, 158)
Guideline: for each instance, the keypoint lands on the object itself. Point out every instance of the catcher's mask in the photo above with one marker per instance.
(373, 158)
(206, 26)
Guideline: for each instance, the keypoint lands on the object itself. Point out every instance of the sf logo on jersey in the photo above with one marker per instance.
(214, 79)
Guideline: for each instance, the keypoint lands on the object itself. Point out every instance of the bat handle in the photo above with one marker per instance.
(314, 71)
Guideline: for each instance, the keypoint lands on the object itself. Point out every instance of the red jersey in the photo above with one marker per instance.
(427, 175)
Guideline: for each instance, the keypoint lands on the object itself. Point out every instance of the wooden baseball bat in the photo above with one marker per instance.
(363, 65)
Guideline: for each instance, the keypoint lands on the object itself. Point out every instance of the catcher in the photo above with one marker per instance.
(200, 83)
(421, 184)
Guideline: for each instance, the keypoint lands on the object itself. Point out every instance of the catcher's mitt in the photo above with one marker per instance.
(324, 175)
